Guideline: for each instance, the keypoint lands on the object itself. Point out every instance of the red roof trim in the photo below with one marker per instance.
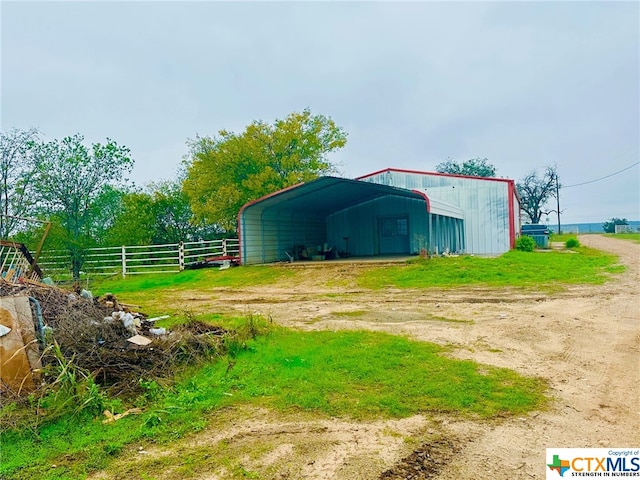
(512, 221)
(426, 199)
(437, 174)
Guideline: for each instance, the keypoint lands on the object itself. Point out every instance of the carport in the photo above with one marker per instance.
(347, 218)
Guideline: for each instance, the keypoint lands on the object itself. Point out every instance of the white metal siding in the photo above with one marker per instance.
(328, 210)
(267, 235)
(360, 224)
(485, 204)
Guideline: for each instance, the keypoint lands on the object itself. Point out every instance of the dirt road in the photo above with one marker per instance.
(584, 341)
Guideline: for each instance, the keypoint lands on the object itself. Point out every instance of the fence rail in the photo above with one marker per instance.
(138, 259)
(16, 262)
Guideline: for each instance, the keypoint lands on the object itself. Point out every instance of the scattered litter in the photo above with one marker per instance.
(139, 340)
(4, 330)
(86, 294)
(114, 418)
(222, 261)
(100, 335)
(127, 322)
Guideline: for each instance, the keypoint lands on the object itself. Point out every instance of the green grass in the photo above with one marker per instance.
(195, 279)
(634, 237)
(527, 269)
(359, 375)
(563, 237)
(156, 292)
(350, 313)
(369, 375)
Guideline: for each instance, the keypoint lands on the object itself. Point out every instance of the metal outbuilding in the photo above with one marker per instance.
(391, 211)
(491, 206)
(345, 217)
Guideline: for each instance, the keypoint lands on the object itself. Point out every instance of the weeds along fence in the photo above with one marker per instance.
(137, 259)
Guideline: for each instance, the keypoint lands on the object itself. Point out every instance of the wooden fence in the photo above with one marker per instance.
(138, 259)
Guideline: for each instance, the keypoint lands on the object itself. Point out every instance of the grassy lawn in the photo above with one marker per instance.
(194, 279)
(155, 292)
(633, 237)
(563, 237)
(371, 375)
(542, 270)
(360, 375)
(349, 374)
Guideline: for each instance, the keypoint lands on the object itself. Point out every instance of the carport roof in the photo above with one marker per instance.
(326, 195)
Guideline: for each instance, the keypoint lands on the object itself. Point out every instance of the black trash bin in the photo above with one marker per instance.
(539, 232)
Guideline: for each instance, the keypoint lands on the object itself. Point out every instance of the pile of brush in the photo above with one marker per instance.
(117, 346)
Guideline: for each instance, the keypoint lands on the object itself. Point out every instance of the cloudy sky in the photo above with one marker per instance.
(524, 84)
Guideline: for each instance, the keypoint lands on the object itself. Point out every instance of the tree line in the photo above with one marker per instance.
(82, 197)
(84, 194)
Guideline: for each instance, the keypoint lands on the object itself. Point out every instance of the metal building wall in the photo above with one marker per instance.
(267, 235)
(360, 224)
(485, 203)
(328, 209)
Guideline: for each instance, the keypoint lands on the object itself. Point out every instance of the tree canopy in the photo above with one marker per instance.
(228, 170)
(159, 214)
(16, 171)
(535, 191)
(474, 167)
(68, 180)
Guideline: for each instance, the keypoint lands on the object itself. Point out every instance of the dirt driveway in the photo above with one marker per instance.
(584, 341)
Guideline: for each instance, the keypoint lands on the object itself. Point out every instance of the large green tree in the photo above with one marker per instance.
(16, 172)
(474, 167)
(70, 178)
(174, 220)
(228, 170)
(161, 213)
(134, 221)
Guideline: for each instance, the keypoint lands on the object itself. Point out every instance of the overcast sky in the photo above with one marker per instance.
(522, 84)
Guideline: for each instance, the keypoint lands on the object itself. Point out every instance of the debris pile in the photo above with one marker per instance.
(117, 345)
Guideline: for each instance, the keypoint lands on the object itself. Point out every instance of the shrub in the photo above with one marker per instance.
(572, 243)
(525, 244)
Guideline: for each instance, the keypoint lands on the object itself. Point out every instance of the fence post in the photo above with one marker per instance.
(181, 255)
(124, 261)
(224, 247)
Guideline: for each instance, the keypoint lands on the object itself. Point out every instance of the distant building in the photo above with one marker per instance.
(390, 212)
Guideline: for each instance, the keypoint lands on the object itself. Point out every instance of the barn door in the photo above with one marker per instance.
(394, 235)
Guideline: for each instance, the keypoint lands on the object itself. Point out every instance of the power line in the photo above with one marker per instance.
(602, 178)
